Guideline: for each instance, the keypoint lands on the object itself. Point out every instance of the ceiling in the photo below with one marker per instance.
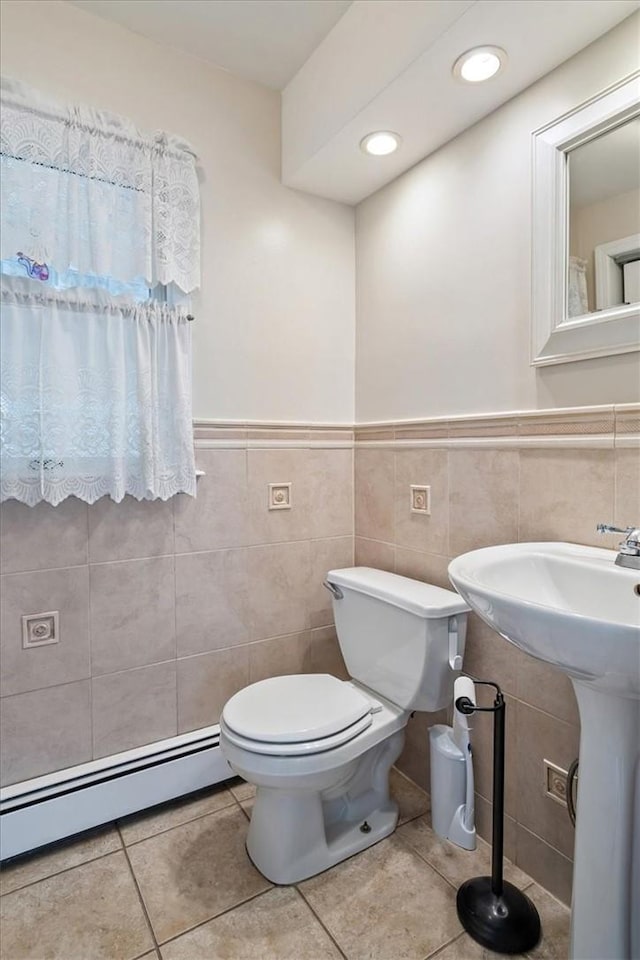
(266, 41)
(349, 68)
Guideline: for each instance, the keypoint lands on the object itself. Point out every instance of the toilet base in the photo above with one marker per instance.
(295, 834)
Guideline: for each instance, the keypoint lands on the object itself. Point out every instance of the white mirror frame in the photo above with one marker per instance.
(555, 338)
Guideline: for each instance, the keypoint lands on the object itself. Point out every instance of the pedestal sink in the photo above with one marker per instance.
(570, 606)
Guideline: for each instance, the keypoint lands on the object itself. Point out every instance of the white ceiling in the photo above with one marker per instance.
(348, 68)
(402, 80)
(266, 41)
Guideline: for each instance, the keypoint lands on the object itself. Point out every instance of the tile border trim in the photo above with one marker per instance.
(593, 427)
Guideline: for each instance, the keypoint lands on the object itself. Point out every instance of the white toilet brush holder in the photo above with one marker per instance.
(452, 787)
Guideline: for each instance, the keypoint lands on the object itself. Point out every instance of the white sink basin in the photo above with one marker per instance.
(562, 603)
(572, 607)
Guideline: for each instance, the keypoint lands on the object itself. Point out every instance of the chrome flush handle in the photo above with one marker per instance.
(335, 592)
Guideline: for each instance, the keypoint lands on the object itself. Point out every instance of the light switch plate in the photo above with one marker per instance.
(40, 629)
(420, 499)
(280, 496)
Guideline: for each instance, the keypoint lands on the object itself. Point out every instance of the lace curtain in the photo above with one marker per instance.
(100, 247)
(86, 190)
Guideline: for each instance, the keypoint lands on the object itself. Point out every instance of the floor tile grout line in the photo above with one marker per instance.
(434, 955)
(57, 873)
(140, 897)
(158, 833)
(321, 922)
(203, 923)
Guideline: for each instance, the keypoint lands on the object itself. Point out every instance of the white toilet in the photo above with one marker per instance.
(318, 749)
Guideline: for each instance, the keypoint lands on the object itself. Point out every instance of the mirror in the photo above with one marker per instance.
(586, 230)
(604, 221)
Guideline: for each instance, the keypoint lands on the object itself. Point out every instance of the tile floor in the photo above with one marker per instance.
(176, 884)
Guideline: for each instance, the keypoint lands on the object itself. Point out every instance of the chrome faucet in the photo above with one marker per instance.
(629, 549)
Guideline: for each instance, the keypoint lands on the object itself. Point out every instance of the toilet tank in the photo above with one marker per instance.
(394, 634)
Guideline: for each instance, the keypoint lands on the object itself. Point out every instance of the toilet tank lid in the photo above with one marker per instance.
(423, 599)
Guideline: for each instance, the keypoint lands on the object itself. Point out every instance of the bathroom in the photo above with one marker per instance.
(377, 381)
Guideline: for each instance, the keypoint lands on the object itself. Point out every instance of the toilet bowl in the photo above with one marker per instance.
(319, 749)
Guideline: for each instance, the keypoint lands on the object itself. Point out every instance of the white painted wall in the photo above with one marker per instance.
(274, 334)
(443, 270)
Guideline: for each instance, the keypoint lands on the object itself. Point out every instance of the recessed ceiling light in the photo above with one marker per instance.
(381, 143)
(478, 64)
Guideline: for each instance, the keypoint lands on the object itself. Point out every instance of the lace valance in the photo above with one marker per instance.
(73, 178)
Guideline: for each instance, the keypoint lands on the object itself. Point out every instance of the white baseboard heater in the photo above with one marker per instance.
(40, 811)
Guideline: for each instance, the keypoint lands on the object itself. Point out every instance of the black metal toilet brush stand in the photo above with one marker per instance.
(494, 912)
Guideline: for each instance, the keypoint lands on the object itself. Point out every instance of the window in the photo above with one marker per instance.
(100, 251)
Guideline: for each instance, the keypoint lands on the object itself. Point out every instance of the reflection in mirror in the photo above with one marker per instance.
(604, 221)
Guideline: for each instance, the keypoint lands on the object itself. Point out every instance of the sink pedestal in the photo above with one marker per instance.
(605, 921)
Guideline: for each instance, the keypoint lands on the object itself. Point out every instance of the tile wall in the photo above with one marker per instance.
(166, 609)
(547, 476)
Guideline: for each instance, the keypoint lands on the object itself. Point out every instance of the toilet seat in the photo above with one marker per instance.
(296, 715)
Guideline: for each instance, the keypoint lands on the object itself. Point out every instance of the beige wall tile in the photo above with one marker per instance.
(278, 577)
(217, 517)
(326, 555)
(211, 600)
(627, 501)
(564, 494)
(482, 739)
(92, 911)
(483, 489)
(195, 871)
(540, 737)
(132, 614)
(279, 466)
(542, 686)
(484, 826)
(373, 553)
(45, 730)
(417, 531)
(129, 529)
(375, 494)
(423, 566)
(133, 708)
(489, 656)
(275, 926)
(414, 761)
(41, 537)
(66, 591)
(323, 654)
(330, 493)
(206, 682)
(277, 657)
(547, 866)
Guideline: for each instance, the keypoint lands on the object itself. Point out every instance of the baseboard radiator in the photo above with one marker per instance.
(40, 811)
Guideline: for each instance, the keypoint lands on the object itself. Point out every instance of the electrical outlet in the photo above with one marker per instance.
(555, 782)
(40, 629)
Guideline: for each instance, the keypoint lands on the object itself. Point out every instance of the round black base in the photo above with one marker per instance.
(505, 924)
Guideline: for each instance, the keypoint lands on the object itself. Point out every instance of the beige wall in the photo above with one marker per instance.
(485, 490)
(443, 268)
(278, 276)
(596, 223)
(166, 609)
